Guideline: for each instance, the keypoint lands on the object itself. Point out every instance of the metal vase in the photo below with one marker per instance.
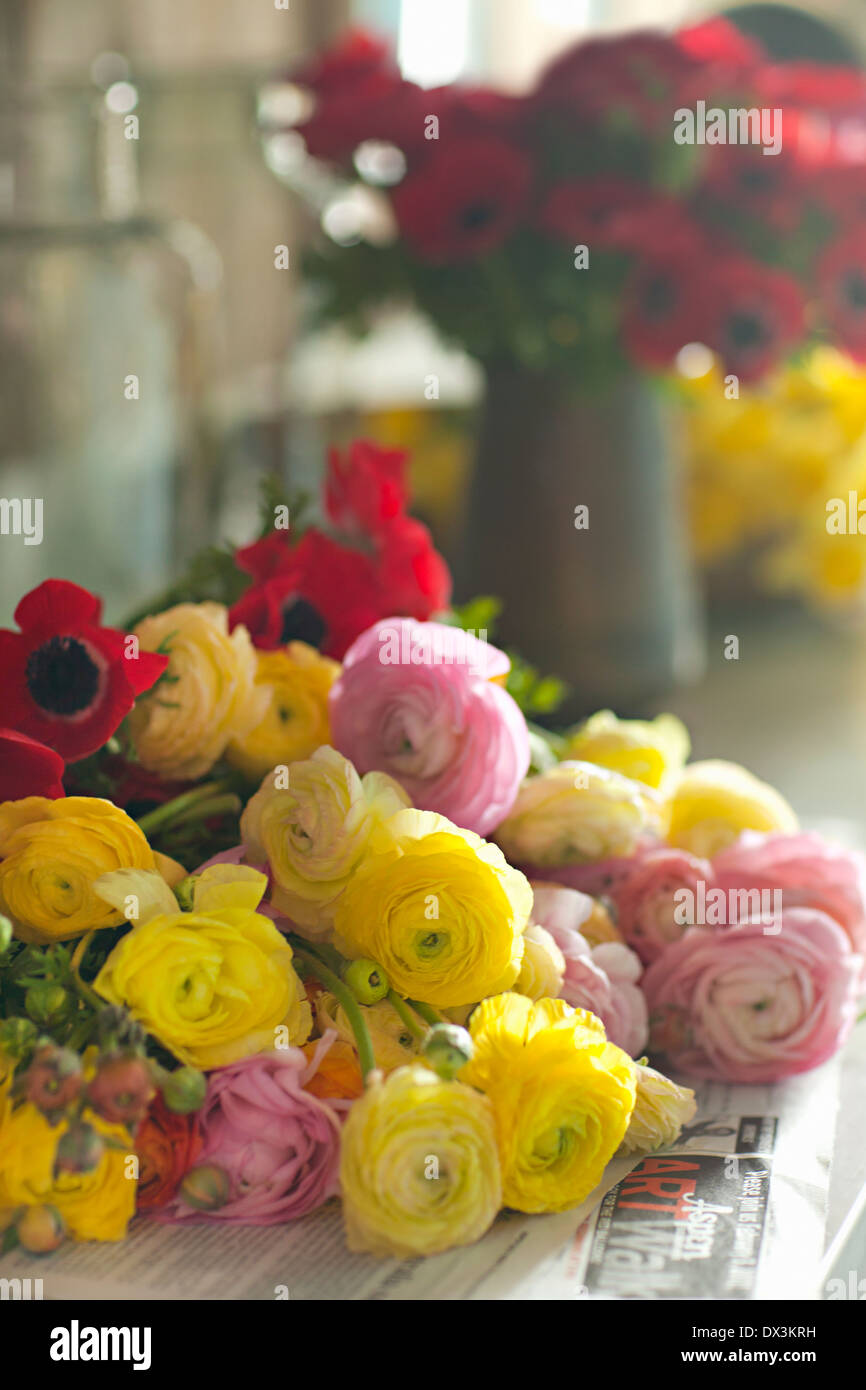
(611, 608)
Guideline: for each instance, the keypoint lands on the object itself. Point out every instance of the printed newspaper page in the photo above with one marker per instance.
(736, 1210)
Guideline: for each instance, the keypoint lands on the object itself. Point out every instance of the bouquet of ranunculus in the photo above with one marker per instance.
(267, 937)
(649, 192)
(246, 907)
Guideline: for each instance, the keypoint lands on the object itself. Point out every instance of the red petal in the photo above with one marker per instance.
(57, 606)
(28, 768)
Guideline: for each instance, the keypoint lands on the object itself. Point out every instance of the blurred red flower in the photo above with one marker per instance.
(635, 74)
(756, 315)
(365, 487)
(68, 681)
(465, 200)
(28, 768)
(665, 308)
(842, 284)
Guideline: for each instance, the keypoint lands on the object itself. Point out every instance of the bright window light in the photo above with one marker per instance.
(433, 46)
(564, 14)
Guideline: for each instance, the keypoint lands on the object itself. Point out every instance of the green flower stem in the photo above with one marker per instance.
(163, 815)
(229, 804)
(427, 1012)
(402, 1008)
(344, 996)
(83, 990)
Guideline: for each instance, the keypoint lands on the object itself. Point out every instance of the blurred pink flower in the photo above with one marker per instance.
(421, 702)
(279, 1145)
(603, 979)
(736, 1004)
(644, 897)
(808, 871)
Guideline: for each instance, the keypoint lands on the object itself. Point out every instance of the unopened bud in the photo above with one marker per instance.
(206, 1188)
(447, 1048)
(184, 1090)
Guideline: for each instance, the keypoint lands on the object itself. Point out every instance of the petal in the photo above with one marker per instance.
(153, 897)
(58, 606)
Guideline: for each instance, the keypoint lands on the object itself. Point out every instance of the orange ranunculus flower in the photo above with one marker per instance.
(338, 1075)
(167, 1145)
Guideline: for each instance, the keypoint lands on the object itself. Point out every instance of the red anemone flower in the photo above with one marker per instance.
(67, 680)
(28, 768)
(842, 282)
(756, 316)
(465, 201)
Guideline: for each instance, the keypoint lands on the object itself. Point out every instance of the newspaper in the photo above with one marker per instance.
(735, 1210)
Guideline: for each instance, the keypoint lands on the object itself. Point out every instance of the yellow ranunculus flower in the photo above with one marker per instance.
(207, 697)
(297, 680)
(712, 803)
(562, 1096)
(213, 985)
(51, 853)
(577, 812)
(315, 831)
(661, 1109)
(543, 967)
(439, 909)
(645, 750)
(393, 1044)
(419, 1170)
(94, 1206)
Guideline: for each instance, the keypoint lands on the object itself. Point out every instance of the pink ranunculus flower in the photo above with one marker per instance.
(604, 978)
(279, 1145)
(738, 1004)
(421, 701)
(645, 897)
(807, 870)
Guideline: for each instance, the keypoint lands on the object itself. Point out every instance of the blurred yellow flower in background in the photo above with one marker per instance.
(713, 802)
(762, 465)
(645, 750)
(295, 723)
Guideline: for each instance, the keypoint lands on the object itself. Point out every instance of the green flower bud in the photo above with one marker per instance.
(79, 1150)
(184, 1090)
(206, 1188)
(185, 892)
(447, 1048)
(40, 1229)
(5, 933)
(48, 1004)
(367, 980)
(18, 1036)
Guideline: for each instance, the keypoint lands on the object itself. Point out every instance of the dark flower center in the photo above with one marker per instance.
(302, 623)
(854, 289)
(62, 676)
(477, 215)
(745, 330)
